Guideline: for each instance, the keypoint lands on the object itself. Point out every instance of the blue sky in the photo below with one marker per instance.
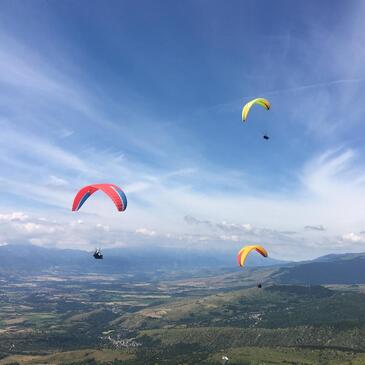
(148, 95)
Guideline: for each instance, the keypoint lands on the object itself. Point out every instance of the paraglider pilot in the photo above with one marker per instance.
(97, 254)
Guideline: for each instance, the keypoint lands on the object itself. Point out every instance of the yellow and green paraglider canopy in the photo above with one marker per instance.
(260, 101)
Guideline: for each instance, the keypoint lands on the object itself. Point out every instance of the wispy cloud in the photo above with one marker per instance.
(330, 179)
(319, 228)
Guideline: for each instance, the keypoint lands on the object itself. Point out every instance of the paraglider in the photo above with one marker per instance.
(97, 254)
(259, 101)
(247, 107)
(243, 253)
(113, 191)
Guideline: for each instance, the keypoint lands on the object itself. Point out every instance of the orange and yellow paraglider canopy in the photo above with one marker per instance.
(243, 253)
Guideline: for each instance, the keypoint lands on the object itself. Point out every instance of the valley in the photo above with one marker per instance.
(179, 318)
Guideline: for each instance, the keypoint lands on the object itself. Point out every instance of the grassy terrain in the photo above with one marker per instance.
(88, 355)
(293, 356)
(121, 320)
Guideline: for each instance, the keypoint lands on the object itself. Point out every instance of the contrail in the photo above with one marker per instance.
(314, 86)
(280, 91)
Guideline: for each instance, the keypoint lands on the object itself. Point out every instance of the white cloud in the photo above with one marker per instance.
(76, 222)
(103, 227)
(353, 237)
(65, 133)
(319, 228)
(13, 217)
(145, 232)
(31, 227)
(230, 238)
(57, 181)
(39, 241)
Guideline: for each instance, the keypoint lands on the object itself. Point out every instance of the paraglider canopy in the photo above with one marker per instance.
(114, 192)
(243, 253)
(259, 101)
(97, 254)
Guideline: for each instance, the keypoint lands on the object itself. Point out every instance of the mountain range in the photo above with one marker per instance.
(30, 259)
